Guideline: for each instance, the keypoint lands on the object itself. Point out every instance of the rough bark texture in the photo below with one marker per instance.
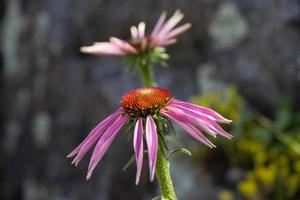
(51, 95)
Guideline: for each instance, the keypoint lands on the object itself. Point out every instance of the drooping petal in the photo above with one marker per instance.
(209, 113)
(123, 45)
(202, 122)
(102, 48)
(159, 24)
(138, 148)
(105, 142)
(183, 123)
(152, 144)
(191, 120)
(94, 135)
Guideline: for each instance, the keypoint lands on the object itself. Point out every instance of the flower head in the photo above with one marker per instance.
(144, 106)
(162, 35)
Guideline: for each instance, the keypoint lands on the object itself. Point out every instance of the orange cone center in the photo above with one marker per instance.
(146, 100)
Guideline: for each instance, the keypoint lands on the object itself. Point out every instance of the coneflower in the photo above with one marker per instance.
(145, 106)
(162, 35)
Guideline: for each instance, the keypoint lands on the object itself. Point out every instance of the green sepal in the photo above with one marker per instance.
(152, 56)
(162, 144)
(163, 124)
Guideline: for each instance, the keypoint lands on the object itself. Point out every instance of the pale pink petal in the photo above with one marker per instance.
(183, 123)
(105, 142)
(97, 131)
(165, 42)
(134, 33)
(177, 31)
(102, 48)
(209, 113)
(152, 144)
(125, 46)
(138, 147)
(171, 23)
(159, 24)
(141, 30)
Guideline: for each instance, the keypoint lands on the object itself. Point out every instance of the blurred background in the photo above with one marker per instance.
(241, 58)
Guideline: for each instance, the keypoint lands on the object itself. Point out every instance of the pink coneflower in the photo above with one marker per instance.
(162, 35)
(145, 106)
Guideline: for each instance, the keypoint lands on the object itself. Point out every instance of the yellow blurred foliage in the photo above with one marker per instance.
(248, 187)
(225, 195)
(266, 149)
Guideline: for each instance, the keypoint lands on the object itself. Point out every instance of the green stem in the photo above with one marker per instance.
(164, 177)
(147, 75)
(162, 164)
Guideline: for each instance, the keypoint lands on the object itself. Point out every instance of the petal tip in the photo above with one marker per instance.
(88, 176)
(70, 155)
(85, 49)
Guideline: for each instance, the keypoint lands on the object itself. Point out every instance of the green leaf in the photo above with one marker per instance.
(283, 115)
(181, 150)
(263, 135)
(290, 142)
(130, 161)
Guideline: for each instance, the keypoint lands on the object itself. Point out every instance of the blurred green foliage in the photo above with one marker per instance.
(266, 151)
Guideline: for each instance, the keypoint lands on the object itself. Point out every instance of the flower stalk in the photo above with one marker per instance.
(162, 166)
(164, 177)
(146, 75)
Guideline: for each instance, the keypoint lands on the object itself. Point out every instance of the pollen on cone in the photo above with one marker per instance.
(146, 98)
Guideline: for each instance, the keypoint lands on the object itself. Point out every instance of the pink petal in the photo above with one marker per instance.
(177, 31)
(92, 140)
(102, 48)
(105, 142)
(134, 33)
(165, 42)
(177, 16)
(183, 123)
(158, 24)
(209, 113)
(97, 131)
(192, 120)
(138, 147)
(124, 46)
(141, 29)
(202, 122)
(152, 144)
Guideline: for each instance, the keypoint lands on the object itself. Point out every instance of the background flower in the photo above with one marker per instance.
(162, 35)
